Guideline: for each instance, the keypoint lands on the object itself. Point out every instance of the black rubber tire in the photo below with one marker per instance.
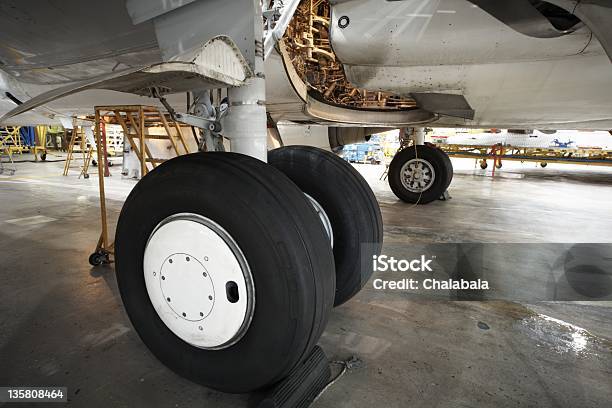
(498, 165)
(43, 156)
(283, 241)
(447, 162)
(85, 176)
(483, 165)
(349, 204)
(440, 165)
(543, 164)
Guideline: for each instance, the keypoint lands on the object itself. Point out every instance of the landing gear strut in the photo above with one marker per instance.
(227, 265)
(421, 173)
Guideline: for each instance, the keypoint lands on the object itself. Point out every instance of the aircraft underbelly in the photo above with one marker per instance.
(567, 92)
(434, 32)
(454, 47)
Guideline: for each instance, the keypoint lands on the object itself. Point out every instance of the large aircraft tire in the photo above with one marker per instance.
(419, 174)
(345, 202)
(224, 270)
(449, 166)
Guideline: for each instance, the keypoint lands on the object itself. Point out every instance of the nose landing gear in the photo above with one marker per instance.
(420, 174)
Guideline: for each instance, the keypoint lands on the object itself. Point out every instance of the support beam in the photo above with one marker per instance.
(246, 124)
(419, 136)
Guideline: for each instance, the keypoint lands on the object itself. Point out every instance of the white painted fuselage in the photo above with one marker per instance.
(508, 78)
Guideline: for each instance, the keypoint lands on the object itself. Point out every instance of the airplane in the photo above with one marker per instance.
(532, 138)
(230, 262)
(558, 143)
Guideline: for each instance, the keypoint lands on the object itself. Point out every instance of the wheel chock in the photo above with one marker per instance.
(302, 385)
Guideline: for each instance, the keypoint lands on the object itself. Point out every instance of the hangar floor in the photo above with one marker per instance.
(63, 323)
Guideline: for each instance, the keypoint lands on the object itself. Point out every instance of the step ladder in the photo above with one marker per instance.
(79, 146)
(10, 140)
(6, 149)
(136, 122)
(141, 125)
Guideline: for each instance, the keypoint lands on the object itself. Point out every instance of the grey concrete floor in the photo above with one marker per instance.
(63, 323)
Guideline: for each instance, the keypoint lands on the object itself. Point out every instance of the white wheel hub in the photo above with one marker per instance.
(417, 175)
(198, 281)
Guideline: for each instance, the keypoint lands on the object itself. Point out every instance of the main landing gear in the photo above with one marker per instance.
(229, 267)
(420, 174)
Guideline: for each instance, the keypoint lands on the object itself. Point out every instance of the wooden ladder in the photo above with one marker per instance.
(135, 122)
(78, 144)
